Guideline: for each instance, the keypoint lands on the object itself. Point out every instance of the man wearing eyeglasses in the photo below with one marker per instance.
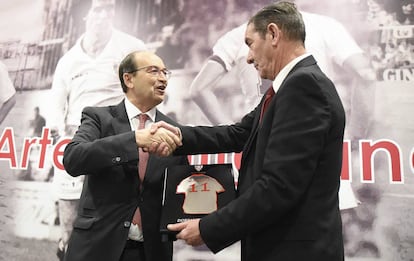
(85, 76)
(120, 206)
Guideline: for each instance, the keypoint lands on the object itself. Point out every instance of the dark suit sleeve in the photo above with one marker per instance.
(89, 151)
(300, 120)
(225, 138)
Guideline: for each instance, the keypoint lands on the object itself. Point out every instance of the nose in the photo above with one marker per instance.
(250, 58)
(162, 77)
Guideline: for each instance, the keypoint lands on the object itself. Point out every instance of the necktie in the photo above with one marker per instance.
(143, 156)
(269, 95)
(142, 166)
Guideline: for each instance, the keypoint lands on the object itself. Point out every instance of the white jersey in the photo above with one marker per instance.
(7, 89)
(80, 81)
(326, 39)
(200, 194)
(233, 52)
(329, 42)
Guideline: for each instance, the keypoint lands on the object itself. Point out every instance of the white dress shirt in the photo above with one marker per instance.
(135, 233)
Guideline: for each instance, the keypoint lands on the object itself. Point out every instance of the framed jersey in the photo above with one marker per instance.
(194, 191)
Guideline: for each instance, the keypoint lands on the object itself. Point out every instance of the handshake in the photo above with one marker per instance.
(161, 139)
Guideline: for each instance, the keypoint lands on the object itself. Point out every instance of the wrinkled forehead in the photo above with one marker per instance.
(148, 59)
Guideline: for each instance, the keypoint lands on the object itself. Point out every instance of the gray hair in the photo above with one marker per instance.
(285, 15)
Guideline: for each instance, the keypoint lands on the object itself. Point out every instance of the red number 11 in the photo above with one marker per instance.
(205, 189)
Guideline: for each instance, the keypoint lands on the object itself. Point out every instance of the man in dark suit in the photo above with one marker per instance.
(287, 206)
(119, 211)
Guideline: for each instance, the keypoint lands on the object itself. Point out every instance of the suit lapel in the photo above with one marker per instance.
(255, 129)
(120, 121)
(249, 142)
(308, 61)
(120, 124)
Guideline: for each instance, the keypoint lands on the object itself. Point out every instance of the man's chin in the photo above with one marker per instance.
(159, 99)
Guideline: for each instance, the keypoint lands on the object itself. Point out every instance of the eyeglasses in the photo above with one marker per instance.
(154, 70)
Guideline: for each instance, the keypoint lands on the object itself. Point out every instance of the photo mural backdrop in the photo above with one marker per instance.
(365, 46)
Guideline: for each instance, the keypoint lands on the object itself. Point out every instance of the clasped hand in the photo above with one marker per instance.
(161, 139)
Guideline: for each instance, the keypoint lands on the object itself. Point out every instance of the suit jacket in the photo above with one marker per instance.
(287, 206)
(104, 150)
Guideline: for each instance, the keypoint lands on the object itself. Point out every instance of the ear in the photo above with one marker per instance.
(128, 80)
(274, 32)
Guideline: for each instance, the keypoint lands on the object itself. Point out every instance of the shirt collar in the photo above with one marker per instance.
(133, 111)
(286, 70)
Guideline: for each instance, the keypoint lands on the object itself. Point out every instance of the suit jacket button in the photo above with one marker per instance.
(116, 160)
(127, 223)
